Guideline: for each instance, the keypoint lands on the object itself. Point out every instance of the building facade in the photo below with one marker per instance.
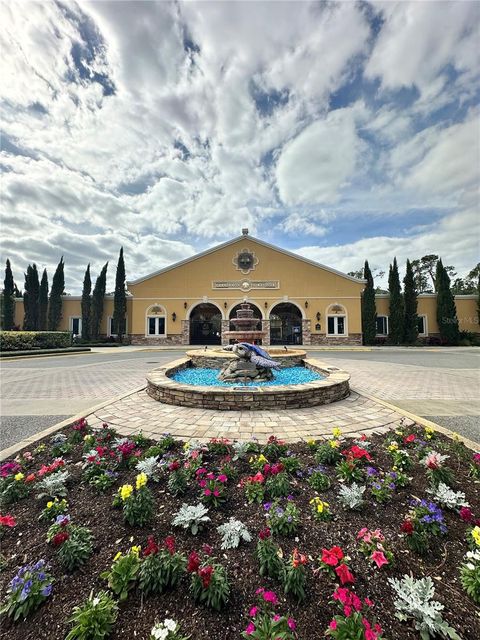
(297, 301)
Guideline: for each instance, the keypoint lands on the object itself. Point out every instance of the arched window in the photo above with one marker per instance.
(156, 321)
(337, 320)
(285, 324)
(205, 324)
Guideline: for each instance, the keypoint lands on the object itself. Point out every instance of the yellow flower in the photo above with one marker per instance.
(186, 446)
(262, 458)
(88, 438)
(320, 507)
(141, 481)
(334, 444)
(456, 437)
(49, 504)
(119, 555)
(126, 491)
(136, 550)
(19, 476)
(393, 446)
(252, 459)
(337, 432)
(311, 442)
(476, 535)
(394, 468)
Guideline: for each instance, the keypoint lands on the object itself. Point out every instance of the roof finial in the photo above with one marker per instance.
(245, 231)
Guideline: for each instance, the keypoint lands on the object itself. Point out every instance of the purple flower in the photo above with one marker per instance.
(290, 497)
(371, 471)
(267, 506)
(47, 590)
(27, 587)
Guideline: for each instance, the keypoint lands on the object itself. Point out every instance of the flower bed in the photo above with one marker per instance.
(337, 538)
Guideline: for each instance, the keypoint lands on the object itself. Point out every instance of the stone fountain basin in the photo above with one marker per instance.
(335, 386)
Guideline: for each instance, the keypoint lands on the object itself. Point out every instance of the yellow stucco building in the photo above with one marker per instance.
(298, 301)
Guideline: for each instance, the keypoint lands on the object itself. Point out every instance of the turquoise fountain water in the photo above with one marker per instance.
(209, 377)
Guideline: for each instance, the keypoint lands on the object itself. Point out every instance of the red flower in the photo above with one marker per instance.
(466, 514)
(298, 559)
(193, 562)
(410, 438)
(332, 556)
(30, 478)
(343, 572)
(407, 527)
(170, 544)
(59, 538)
(152, 547)
(207, 549)
(7, 521)
(264, 534)
(205, 574)
(173, 466)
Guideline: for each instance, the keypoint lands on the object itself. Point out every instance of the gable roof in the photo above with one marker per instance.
(245, 238)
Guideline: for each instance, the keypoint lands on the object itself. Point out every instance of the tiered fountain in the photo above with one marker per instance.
(245, 326)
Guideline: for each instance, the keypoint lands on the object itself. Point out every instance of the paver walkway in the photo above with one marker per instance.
(355, 414)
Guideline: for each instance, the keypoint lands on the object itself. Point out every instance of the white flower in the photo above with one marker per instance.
(159, 633)
(171, 625)
(96, 602)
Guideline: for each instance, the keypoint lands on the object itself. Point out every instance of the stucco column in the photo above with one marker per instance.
(185, 331)
(266, 328)
(225, 327)
(306, 332)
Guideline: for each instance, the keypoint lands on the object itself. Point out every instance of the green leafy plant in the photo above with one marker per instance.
(53, 509)
(294, 576)
(328, 452)
(138, 505)
(349, 470)
(278, 485)
(13, 489)
(123, 573)
(437, 471)
(319, 481)
(268, 555)
(74, 545)
(209, 584)
(290, 462)
(470, 575)
(254, 487)
(423, 525)
(352, 623)
(282, 520)
(265, 623)
(415, 602)
(94, 619)
(161, 569)
(320, 509)
(104, 480)
(27, 590)
(178, 480)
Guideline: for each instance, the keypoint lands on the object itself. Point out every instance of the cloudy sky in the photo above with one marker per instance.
(339, 130)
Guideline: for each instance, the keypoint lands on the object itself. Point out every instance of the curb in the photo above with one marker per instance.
(28, 442)
(424, 422)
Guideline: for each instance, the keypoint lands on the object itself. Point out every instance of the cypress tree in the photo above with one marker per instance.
(97, 302)
(446, 310)
(56, 292)
(410, 327)
(120, 299)
(43, 302)
(8, 299)
(395, 329)
(86, 304)
(30, 299)
(369, 312)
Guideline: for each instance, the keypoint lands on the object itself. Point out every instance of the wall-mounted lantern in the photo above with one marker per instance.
(225, 305)
(318, 326)
(185, 305)
(306, 304)
(318, 316)
(266, 305)
(174, 316)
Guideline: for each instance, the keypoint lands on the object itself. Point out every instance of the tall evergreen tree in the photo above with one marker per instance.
(43, 302)
(86, 304)
(446, 311)
(369, 312)
(98, 297)
(8, 299)
(30, 299)
(395, 328)
(120, 299)
(410, 326)
(56, 293)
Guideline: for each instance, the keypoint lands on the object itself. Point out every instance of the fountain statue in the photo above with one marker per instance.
(253, 364)
(245, 326)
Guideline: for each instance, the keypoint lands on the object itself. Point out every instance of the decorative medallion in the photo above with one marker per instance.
(245, 261)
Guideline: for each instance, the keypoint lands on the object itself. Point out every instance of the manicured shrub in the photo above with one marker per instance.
(94, 619)
(29, 340)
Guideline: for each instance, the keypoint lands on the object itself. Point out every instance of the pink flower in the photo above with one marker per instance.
(207, 492)
(379, 558)
(222, 478)
(342, 594)
(270, 596)
(332, 556)
(292, 624)
(362, 532)
(343, 572)
(333, 625)
(466, 514)
(276, 617)
(201, 471)
(7, 521)
(216, 493)
(253, 612)
(368, 602)
(202, 483)
(250, 628)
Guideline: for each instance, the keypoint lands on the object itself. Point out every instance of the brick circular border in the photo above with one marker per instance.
(162, 388)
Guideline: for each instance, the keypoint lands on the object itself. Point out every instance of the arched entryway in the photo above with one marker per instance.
(285, 324)
(205, 324)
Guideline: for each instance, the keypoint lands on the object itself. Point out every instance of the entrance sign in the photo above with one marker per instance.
(245, 285)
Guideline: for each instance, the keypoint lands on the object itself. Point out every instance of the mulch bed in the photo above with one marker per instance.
(27, 543)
